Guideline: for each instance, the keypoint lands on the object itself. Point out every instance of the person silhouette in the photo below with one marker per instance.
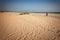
(46, 13)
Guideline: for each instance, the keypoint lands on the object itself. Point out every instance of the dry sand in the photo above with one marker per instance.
(29, 27)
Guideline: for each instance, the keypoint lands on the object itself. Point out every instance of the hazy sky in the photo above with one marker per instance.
(30, 5)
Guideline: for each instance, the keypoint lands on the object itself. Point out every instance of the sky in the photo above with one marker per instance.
(30, 5)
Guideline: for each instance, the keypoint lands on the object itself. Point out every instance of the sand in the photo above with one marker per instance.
(29, 27)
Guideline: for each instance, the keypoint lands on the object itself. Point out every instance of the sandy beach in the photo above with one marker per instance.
(29, 27)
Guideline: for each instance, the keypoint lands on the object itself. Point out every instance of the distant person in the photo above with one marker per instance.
(46, 13)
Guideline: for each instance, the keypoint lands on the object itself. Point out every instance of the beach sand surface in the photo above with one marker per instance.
(33, 26)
